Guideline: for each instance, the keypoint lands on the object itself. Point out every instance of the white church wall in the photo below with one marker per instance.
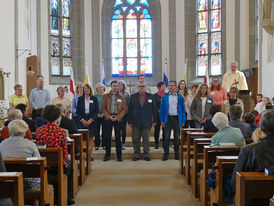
(267, 64)
(27, 36)
(7, 43)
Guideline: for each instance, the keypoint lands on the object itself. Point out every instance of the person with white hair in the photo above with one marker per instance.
(226, 133)
(18, 146)
(14, 114)
(234, 78)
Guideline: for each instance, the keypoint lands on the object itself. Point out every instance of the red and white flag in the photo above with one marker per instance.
(71, 86)
(206, 79)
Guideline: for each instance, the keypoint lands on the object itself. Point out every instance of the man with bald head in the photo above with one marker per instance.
(142, 113)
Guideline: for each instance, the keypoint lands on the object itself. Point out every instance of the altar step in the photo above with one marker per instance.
(128, 153)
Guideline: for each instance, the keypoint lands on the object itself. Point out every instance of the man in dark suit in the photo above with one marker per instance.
(141, 113)
(66, 123)
(31, 123)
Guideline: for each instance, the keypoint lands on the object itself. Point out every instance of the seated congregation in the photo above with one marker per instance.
(219, 145)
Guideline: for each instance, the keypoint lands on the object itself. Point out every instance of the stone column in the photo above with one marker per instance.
(244, 34)
(230, 33)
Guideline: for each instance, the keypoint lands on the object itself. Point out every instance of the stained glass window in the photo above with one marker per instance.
(209, 37)
(60, 39)
(131, 32)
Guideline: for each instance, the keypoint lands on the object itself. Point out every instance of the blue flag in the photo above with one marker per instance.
(104, 81)
(165, 79)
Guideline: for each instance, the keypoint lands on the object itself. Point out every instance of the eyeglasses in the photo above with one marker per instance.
(141, 86)
(170, 85)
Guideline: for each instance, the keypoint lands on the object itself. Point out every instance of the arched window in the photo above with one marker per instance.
(60, 37)
(209, 37)
(131, 38)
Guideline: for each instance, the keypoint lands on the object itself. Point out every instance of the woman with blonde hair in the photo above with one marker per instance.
(233, 100)
(182, 89)
(100, 90)
(200, 106)
(18, 97)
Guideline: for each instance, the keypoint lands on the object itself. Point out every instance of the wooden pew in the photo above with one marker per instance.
(225, 168)
(271, 202)
(74, 165)
(183, 146)
(54, 156)
(33, 167)
(197, 155)
(248, 140)
(209, 159)
(78, 138)
(190, 140)
(253, 185)
(87, 149)
(14, 188)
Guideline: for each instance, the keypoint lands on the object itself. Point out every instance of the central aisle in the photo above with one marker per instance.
(128, 183)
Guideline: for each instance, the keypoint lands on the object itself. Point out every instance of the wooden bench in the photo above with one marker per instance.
(183, 146)
(78, 138)
(33, 167)
(74, 165)
(209, 159)
(88, 148)
(54, 156)
(190, 140)
(14, 188)
(196, 163)
(225, 167)
(253, 185)
(271, 202)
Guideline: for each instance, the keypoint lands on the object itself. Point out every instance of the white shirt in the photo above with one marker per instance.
(172, 101)
(203, 105)
(86, 105)
(238, 80)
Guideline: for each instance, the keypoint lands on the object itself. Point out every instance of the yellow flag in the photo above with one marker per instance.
(185, 69)
(87, 81)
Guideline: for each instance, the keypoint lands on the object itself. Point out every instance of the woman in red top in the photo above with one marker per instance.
(53, 136)
(217, 92)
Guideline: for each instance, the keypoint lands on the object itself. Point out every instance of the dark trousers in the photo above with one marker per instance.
(33, 114)
(53, 170)
(172, 124)
(157, 133)
(124, 129)
(190, 124)
(108, 132)
(99, 123)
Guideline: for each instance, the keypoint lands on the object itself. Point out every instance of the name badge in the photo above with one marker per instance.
(91, 101)
(119, 100)
(209, 101)
(149, 100)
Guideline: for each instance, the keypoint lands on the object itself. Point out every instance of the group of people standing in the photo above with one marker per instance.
(181, 106)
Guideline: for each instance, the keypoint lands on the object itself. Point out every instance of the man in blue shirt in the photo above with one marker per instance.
(172, 116)
(39, 97)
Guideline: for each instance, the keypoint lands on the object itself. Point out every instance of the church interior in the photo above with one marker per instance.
(48, 46)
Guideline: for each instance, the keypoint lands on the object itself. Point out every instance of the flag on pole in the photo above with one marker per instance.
(87, 80)
(185, 70)
(206, 79)
(71, 83)
(103, 77)
(165, 79)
